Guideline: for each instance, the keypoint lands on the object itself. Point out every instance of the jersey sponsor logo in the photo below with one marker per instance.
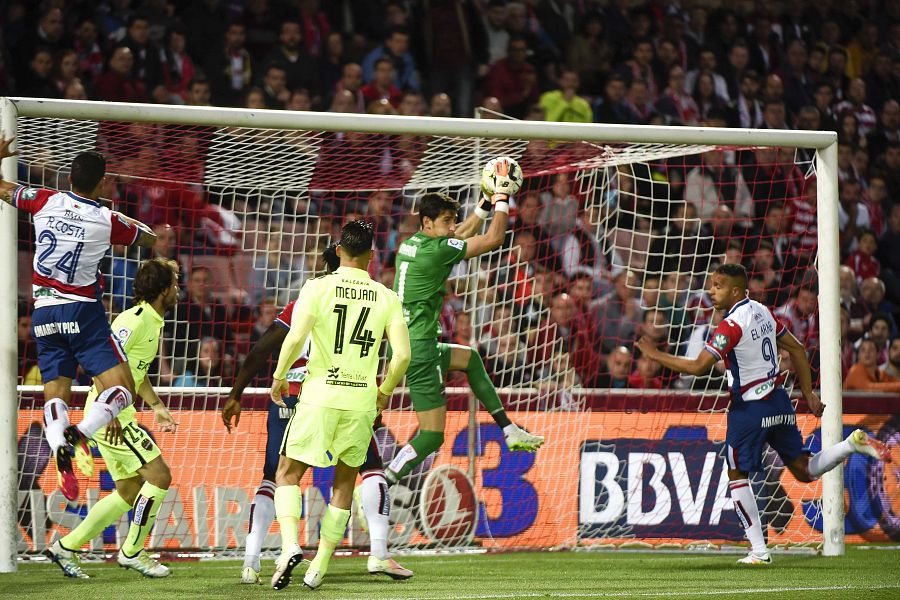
(720, 341)
(455, 243)
(449, 506)
(123, 334)
(764, 387)
(65, 327)
(334, 372)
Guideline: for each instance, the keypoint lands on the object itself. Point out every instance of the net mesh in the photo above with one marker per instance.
(608, 243)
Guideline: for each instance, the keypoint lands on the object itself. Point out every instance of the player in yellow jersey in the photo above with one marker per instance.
(345, 314)
(133, 459)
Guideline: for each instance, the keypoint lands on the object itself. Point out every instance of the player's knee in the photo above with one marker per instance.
(160, 475)
(734, 475)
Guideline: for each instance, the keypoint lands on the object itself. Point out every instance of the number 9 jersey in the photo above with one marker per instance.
(72, 235)
(746, 341)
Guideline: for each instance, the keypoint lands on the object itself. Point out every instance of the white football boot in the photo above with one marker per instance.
(389, 567)
(756, 559)
(284, 566)
(67, 560)
(144, 564)
(519, 439)
(865, 444)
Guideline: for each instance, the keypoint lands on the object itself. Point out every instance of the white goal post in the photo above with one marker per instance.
(825, 143)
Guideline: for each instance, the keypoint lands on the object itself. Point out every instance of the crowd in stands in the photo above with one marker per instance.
(564, 301)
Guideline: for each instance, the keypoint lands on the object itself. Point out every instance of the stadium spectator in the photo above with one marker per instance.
(146, 67)
(495, 16)
(888, 130)
(560, 212)
(266, 312)
(774, 115)
(255, 99)
(440, 106)
(836, 72)
(617, 371)
(765, 268)
(590, 54)
(177, 66)
(331, 65)
(639, 66)
(275, 89)
(87, 49)
(564, 104)
(888, 255)
(646, 376)
(891, 367)
(736, 66)
(613, 107)
(707, 64)
(709, 102)
(881, 328)
(199, 315)
(862, 260)
(513, 80)
(667, 55)
(75, 91)
(300, 68)
(798, 78)
(853, 215)
(855, 104)
(747, 104)
(824, 101)
(230, 71)
(679, 248)
(713, 182)
(37, 81)
(210, 368)
(396, 49)
(579, 249)
(799, 315)
(638, 102)
(198, 93)
(618, 313)
(865, 374)
(49, 34)
(206, 22)
(674, 102)
(65, 70)
(383, 85)
(882, 86)
(352, 82)
(166, 246)
(117, 84)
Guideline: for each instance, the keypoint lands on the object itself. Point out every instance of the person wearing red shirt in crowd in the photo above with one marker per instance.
(118, 84)
(513, 80)
(382, 85)
(646, 376)
(862, 260)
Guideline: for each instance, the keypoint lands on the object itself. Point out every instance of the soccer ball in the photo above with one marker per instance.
(501, 175)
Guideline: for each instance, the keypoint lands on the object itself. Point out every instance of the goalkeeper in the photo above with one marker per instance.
(424, 262)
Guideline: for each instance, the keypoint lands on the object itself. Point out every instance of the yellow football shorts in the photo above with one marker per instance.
(320, 436)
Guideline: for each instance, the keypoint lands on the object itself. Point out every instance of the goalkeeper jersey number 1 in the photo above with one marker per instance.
(423, 266)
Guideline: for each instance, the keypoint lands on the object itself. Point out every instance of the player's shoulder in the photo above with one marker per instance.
(128, 321)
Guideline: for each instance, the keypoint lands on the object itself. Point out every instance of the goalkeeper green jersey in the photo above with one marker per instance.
(423, 266)
(138, 329)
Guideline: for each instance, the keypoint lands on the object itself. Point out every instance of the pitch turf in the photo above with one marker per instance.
(861, 574)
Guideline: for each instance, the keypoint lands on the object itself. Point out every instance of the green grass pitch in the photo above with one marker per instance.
(862, 574)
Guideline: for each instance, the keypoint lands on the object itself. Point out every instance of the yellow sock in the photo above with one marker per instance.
(287, 510)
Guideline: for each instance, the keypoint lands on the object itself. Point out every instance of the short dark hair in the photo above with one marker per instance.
(87, 170)
(332, 260)
(153, 278)
(433, 204)
(736, 271)
(357, 237)
(880, 316)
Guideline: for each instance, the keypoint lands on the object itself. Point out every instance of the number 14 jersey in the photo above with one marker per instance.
(351, 313)
(746, 341)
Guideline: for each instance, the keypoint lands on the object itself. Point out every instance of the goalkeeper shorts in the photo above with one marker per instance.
(426, 374)
(123, 460)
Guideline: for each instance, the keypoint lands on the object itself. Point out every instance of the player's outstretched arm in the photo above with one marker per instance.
(256, 359)
(163, 417)
(7, 188)
(401, 354)
(469, 227)
(788, 342)
(147, 237)
(301, 324)
(692, 366)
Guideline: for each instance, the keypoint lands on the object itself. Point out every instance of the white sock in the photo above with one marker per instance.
(376, 504)
(105, 408)
(56, 419)
(406, 454)
(511, 428)
(262, 513)
(748, 513)
(829, 458)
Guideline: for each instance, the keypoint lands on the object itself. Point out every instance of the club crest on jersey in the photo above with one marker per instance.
(455, 243)
(720, 341)
(30, 194)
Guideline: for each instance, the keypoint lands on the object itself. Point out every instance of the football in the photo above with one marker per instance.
(501, 175)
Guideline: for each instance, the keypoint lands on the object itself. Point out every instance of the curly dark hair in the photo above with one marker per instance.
(153, 278)
(357, 237)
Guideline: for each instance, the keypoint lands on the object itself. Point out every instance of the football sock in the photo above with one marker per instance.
(262, 513)
(417, 450)
(748, 513)
(56, 419)
(147, 504)
(103, 514)
(105, 408)
(829, 458)
(287, 510)
(331, 532)
(484, 389)
(376, 504)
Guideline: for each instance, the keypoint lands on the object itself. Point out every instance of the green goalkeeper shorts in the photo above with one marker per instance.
(426, 373)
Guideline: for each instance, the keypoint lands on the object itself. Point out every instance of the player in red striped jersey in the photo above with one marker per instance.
(748, 340)
(73, 232)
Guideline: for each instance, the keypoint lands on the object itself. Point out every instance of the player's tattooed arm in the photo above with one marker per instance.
(7, 188)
